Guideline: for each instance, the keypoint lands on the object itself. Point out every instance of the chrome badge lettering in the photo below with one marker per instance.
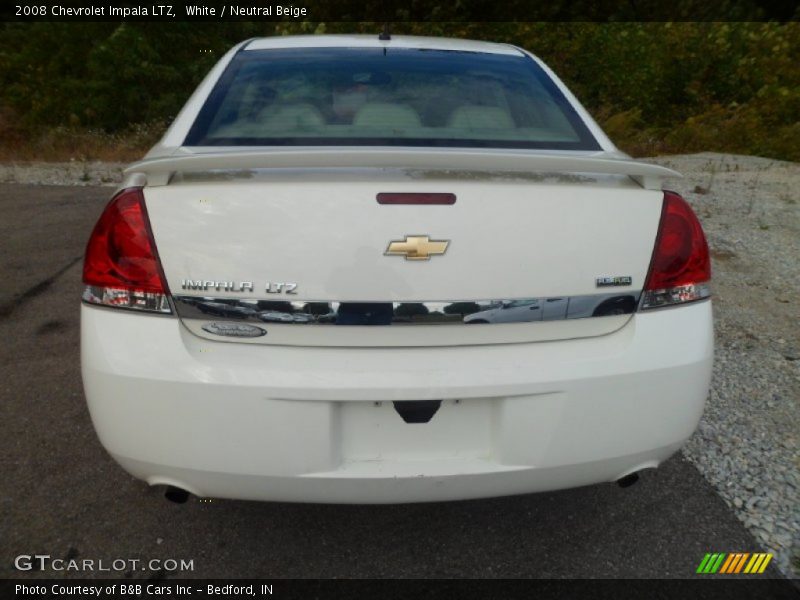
(614, 281)
(234, 330)
(238, 286)
(280, 287)
(223, 286)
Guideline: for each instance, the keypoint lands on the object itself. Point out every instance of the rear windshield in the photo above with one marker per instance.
(372, 96)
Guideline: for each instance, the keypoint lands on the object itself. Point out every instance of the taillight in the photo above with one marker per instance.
(416, 198)
(121, 266)
(680, 268)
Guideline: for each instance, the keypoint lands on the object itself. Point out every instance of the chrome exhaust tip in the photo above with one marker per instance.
(176, 495)
(628, 480)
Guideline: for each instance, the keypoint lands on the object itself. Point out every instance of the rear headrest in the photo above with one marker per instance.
(377, 114)
(480, 117)
(292, 116)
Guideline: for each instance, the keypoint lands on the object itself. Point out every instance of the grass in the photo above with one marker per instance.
(64, 144)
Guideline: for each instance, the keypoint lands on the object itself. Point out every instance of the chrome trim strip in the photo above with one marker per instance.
(464, 312)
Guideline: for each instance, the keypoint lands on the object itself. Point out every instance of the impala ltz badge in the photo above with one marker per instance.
(220, 286)
(271, 287)
(614, 281)
(417, 247)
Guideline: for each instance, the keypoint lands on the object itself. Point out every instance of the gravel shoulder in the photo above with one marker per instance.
(748, 442)
(62, 173)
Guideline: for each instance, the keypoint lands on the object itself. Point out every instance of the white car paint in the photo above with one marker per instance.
(305, 412)
(301, 424)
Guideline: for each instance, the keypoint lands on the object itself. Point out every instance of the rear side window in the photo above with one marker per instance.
(405, 97)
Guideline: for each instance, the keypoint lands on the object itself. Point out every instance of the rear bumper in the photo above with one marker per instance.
(318, 425)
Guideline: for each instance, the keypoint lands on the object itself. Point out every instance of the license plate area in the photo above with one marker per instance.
(375, 431)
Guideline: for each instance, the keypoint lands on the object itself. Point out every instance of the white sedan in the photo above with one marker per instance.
(363, 270)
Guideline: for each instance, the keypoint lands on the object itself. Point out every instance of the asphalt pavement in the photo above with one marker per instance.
(63, 496)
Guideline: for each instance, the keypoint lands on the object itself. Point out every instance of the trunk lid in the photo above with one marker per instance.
(522, 238)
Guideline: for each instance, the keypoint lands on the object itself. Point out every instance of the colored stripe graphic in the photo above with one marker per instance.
(740, 564)
(703, 563)
(754, 562)
(730, 564)
(710, 563)
(764, 564)
(727, 564)
(734, 563)
(717, 563)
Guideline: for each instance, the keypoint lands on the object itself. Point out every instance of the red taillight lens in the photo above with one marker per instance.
(121, 266)
(680, 268)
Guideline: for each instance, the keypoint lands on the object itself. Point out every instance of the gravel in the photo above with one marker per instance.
(748, 442)
(63, 173)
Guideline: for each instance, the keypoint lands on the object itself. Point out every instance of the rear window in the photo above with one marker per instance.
(405, 97)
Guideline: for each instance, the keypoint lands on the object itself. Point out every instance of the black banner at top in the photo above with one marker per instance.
(399, 10)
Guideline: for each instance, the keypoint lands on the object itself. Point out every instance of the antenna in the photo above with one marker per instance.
(386, 34)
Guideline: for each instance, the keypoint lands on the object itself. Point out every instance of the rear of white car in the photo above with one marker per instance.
(392, 271)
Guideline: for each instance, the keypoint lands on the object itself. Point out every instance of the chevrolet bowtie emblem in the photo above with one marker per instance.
(417, 247)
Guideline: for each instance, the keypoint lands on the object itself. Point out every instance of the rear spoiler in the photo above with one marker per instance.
(159, 171)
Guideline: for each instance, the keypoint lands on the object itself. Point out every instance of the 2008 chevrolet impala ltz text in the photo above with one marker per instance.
(368, 270)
